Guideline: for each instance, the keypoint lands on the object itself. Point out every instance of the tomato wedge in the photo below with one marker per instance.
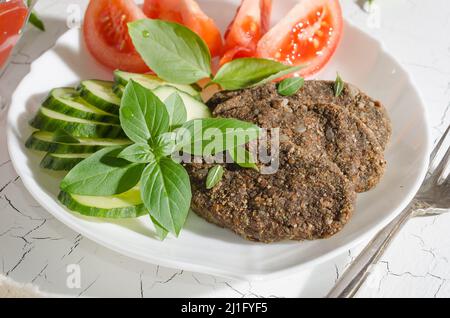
(106, 34)
(12, 16)
(251, 22)
(188, 13)
(308, 35)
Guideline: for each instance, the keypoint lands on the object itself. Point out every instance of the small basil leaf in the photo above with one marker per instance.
(175, 53)
(166, 193)
(215, 174)
(208, 137)
(138, 153)
(143, 116)
(290, 86)
(177, 110)
(338, 86)
(248, 72)
(36, 21)
(62, 136)
(102, 174)
(279, 75)
(243, 158)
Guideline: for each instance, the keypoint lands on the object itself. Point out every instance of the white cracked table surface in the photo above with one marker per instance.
(36, 248)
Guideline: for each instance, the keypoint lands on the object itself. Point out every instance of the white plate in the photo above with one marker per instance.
(203, 247)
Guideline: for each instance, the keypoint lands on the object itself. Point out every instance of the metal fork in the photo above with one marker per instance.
(433, 198)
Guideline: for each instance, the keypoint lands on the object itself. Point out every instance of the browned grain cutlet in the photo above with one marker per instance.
(327, 153)
(371, 112)
(308, 198)
(315, 128)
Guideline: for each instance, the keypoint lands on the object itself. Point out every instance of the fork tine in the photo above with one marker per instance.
(441, 168)
(438, 146)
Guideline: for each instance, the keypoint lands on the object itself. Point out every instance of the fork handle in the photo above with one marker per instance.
(353, 278)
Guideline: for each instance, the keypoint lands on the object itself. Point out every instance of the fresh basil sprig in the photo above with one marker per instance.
(178, 55)
(164, 183)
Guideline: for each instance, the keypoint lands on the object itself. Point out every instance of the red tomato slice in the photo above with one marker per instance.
(12, 16)
(106, 34)
(308, 35)
(188, 13)
(251, 22)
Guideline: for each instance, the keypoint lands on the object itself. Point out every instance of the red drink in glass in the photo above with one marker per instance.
(12, 18)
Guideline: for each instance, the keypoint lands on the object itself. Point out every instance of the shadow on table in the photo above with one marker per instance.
(361, 3)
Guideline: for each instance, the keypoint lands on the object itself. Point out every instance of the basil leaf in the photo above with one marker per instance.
(279, 75)
(36, 21)
(177, 110)
(215, 174)
(62, 136)
(102, 174)
(243, 158)
(338, 86)
(138, 153)
(166, 193)
(160, 231)
(175, 53)
(143, 116)
(207, 137)
(165, 145)
(290, 86)
(248, 72)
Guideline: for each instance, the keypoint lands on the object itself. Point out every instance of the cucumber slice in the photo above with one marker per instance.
(118, 90)
(101, 95)
(62, 162)
(151, 82)
(195, 109)
(49, 120)
(67, 101)
(43, 141)
(123, 206)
